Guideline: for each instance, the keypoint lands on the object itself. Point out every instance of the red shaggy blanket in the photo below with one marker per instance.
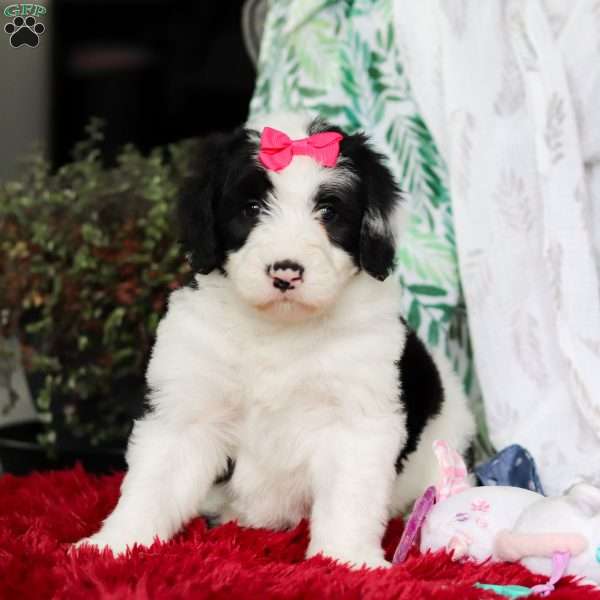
(42, 514)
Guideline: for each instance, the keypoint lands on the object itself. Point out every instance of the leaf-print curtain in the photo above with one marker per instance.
(511, 93)
(339, 59)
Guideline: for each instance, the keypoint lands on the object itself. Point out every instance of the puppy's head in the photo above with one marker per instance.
(290, 240)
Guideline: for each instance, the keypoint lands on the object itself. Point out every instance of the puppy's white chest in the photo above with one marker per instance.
(271, 482)
(285, 408)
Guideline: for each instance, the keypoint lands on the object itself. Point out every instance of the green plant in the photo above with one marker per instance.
(88, 256)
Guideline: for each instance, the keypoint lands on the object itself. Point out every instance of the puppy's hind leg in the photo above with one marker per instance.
(171, 469)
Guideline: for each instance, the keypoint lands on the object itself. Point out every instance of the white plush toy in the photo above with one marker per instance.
(551, 536)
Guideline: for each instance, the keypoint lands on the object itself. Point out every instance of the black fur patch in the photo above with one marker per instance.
(287, 264)
(213, 208)
(228, 474)
(422, 392)
(361, 226)
(343, 229)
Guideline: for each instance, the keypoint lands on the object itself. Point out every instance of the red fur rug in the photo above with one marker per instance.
(42, 514)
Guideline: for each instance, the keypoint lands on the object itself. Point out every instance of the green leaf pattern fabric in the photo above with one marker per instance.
(339, 59)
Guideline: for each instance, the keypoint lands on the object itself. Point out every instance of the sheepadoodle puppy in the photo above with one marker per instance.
(284, 383)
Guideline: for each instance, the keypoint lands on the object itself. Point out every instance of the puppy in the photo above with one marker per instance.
(283, 383)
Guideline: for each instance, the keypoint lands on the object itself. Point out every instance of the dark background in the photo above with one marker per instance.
(155, 71)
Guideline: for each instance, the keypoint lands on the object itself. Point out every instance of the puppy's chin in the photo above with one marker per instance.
(287, 309)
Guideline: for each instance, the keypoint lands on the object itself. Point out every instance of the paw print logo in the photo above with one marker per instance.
(24, 32)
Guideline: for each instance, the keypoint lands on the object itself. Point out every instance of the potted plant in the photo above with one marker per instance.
(88, 255)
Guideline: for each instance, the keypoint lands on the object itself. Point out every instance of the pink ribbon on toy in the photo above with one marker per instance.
(277, 149)
(560, 562)
(421, 509)
(453, 480)
(452, 469)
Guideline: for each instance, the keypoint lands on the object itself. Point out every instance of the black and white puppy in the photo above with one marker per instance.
(284, 383)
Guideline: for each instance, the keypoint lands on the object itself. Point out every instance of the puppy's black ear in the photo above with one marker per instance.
(381, 197)
(197, 205)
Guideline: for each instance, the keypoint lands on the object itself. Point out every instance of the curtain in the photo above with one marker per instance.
(510, 91)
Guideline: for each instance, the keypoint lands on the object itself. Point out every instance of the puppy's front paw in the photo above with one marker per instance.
(359, 559)
(370, 562)
(117, 544)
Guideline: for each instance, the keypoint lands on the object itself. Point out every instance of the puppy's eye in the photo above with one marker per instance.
(252, 209)
(327, 213)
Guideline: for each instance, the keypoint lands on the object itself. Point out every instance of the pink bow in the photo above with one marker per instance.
(277, 149)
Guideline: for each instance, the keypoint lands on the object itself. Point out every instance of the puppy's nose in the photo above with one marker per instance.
(286, 274)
